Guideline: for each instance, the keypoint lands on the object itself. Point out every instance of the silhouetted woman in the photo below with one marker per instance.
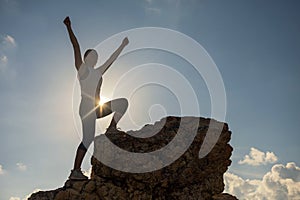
(90, 79)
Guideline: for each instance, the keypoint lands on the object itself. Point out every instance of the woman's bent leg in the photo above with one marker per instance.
(118, 106)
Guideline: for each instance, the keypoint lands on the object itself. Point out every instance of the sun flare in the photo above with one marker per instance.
(103, 100)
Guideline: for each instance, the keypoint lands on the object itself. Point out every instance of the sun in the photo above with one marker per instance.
(103, 100)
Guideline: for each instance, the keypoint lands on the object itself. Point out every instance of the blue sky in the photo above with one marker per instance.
(255, 45)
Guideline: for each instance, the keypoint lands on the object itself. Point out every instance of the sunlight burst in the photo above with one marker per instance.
(103, 100)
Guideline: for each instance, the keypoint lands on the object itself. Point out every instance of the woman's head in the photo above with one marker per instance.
(90, 57)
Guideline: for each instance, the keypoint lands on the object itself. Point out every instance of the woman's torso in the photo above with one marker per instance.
(90, 80)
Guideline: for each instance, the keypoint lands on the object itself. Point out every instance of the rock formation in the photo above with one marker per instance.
(188, 177)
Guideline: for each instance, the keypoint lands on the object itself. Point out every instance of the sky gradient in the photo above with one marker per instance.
(255, 44)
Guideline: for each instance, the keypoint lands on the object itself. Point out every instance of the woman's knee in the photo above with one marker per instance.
(123, 105)
(82, 147)
(119, 105)
(86, 142)
(124, 102)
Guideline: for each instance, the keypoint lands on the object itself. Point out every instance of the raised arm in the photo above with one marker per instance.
(76, 47)
(114, 56)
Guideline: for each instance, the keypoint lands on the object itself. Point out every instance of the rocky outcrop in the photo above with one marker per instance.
(187, 177)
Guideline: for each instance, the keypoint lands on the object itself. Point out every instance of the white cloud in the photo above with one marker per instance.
(3, 63)
(7, 47)
(9, 40)
(4, 59)
(257, 157)
(281, 183)
(14, 198)
(2, 171)
(21, 166)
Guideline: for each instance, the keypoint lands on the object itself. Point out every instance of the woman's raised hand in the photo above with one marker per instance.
(125, 41)
(67, 21)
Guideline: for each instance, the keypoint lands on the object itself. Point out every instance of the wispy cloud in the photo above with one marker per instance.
(7, 43)
(21, 166)
(14, 198)
(257, 157)
(282, 182)
(9, 40)
(2, 171)
(7, 49)
(3, 60)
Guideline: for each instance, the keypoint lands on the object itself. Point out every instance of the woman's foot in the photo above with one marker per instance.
(113, 126)
(76, 174)
(113, 129)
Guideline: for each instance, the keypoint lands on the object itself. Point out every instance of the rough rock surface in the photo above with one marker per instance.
(188, 177)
